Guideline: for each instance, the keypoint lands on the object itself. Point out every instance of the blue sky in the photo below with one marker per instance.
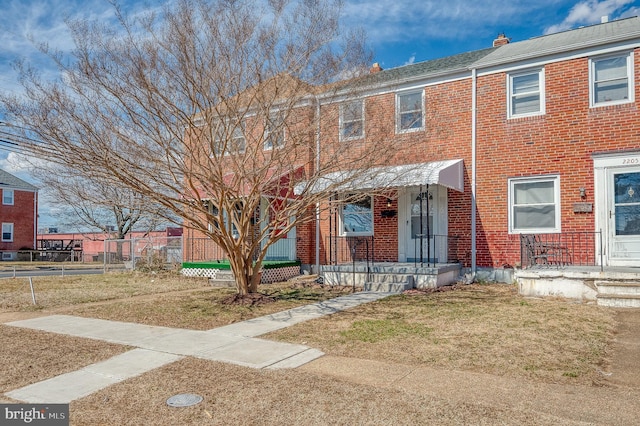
(399, 31)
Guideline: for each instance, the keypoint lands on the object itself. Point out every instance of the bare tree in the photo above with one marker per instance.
(87, 204)
(211, 110)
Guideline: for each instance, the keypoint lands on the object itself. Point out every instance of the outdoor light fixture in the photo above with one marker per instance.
(583, 192)
(388, 202)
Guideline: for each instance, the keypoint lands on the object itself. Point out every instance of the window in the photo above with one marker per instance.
(534, 205)
(7, 232)
(352, 120)
(357, 216)
(229, 140)
(274, 132)
(409, 112)
(7, 197)
(611, 79)
(227, 222)
(526, 93)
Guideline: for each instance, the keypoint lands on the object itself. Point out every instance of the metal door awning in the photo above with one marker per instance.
(448, 173)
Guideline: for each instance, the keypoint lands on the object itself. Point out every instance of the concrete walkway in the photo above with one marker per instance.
(157, 346)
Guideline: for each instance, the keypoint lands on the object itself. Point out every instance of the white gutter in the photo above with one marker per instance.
(474, 108)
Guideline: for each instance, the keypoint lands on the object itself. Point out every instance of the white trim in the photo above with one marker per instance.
(2, 232)
(557, 204)
(344, 233)
(519, 63)
(280, 128)
(541, 92)
(13, 196)
(630, 79)
(341, 120)
(398, 112)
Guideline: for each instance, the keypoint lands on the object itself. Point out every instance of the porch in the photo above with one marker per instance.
(364, 263)
(572, 265)
(390, 276)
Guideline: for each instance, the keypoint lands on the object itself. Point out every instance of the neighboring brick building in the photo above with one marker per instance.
(18, 215)
(538, 137)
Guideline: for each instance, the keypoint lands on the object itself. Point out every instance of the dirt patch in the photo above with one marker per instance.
(251, 299)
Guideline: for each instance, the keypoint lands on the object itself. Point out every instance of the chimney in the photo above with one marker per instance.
(501, 40)
(375, 68)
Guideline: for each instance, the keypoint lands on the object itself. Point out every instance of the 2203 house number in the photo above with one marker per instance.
(631, 160)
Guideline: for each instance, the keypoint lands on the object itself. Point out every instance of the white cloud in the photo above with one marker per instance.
(591, 12)
(411, 60)
(402, 20)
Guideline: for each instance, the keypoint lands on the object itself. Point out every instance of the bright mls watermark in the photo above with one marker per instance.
(34, 414)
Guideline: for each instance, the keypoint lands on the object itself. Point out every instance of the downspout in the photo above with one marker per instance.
(35, 220)
(317, 166)
(474, 102)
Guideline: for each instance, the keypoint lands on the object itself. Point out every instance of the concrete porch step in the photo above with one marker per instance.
(223, 278)
(387, 287)
(618, 287)
(619, 300)
(389, 283)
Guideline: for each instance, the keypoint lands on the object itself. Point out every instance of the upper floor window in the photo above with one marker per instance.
(352, 120)
(274, 132)
(7, 197)
(409, 111)
(357, 216)
(526, 93)
(7, 232)
(229, 140)
(611, 79)
(534, 205)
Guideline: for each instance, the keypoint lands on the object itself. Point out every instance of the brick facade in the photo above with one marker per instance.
(23, 215)
(561, 141)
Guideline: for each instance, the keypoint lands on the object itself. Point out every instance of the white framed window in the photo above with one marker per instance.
(7, 232)
(227, 222)
(229, 140)
(611, 79)
(357, 215)
(7, 197)
(352, 120)
(526, 93)
(409, 111)
(274, 132)
(534, 205)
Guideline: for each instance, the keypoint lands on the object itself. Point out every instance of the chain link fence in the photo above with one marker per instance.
(149, 253)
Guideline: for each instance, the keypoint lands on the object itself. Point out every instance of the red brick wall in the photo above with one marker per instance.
(21, 214)
(559, 142)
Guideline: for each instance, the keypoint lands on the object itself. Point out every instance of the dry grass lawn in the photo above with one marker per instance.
(477, 328)
(482, 328)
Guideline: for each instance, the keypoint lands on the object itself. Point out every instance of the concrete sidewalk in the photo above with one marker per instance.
(157, 346)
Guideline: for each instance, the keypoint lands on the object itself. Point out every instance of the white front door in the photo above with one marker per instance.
(425, 224)
(623, 233)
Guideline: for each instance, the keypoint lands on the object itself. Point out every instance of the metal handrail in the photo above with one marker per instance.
(562, 249)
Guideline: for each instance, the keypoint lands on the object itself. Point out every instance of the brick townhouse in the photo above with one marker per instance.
(18, 215)
(537, 137)
(542, 135)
